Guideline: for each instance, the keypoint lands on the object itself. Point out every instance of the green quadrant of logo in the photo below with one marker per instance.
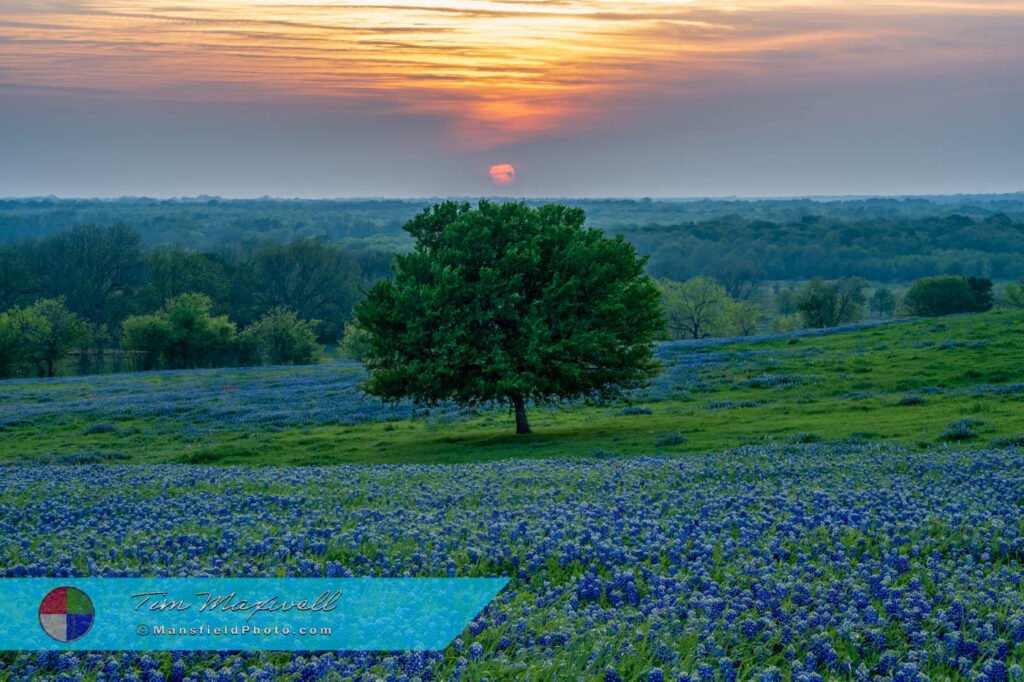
(78, 602)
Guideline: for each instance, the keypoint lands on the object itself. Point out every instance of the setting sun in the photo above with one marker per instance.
(503, 174)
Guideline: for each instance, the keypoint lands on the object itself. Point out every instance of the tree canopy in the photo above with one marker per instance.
(183, 334)
(894, 239)
(38, 336)
(505, 303)
(948, 295)
(830, 304)
(701, 307)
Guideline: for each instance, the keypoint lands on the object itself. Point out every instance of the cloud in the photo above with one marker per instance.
(37, 7)
(498, 71)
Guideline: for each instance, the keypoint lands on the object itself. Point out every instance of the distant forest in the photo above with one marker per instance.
(107, 274)
(882, 239)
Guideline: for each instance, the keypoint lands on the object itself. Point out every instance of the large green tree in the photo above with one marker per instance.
(507, 304)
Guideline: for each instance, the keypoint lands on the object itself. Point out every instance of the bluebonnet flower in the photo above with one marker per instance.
(826, 547)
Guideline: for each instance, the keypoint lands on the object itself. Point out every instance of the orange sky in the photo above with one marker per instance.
(583, 97)
(497, 71)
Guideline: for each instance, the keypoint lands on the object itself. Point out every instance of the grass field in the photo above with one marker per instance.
(901, 382)
(825, 506)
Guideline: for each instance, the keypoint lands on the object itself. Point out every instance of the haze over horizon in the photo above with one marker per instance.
(585, 98)
(503, 197)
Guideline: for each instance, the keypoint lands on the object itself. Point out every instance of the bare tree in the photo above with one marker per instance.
(95, 268)
(741, 278)
(829, 304)
(696, 308)
(318, 281)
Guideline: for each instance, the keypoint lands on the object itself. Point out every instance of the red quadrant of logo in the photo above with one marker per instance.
(55, 602)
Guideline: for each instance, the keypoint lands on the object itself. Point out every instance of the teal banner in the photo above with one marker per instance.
(240, 614)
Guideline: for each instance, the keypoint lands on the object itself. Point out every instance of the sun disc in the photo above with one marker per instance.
(503, 174)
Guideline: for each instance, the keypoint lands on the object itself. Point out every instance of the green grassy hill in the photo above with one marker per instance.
(903, 382)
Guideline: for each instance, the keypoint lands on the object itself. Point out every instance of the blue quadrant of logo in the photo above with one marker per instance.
(78, 625)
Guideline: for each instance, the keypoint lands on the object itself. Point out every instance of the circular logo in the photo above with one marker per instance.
(66, 614)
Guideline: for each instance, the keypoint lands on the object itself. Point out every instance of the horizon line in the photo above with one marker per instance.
(492, 197)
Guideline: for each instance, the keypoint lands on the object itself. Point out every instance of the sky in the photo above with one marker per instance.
(583, 98)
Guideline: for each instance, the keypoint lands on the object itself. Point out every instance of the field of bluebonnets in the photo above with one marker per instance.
(861, 520)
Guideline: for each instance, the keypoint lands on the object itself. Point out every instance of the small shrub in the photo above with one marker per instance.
(633, 411)
(280, 337)
(807, 438)
(87, 457)
(911, 399)
(960, 430)
(204, 456)
(672, 438)
(99, 428)
(355, 342)
(729, 404)
(1009, 442)
(12, 424)
(773, 381)
(948, 295)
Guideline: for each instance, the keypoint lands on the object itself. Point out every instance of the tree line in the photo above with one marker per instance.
(116, 292)
(704, 307)
(183, 334)
(892, 240)
(103, 295)
(882, 249)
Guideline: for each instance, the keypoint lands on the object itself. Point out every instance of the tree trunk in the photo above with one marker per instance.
(522, 425)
